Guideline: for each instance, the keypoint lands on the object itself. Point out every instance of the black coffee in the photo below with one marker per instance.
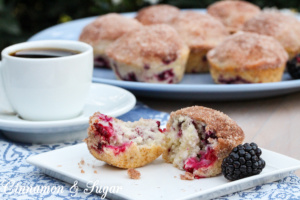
(44, 53)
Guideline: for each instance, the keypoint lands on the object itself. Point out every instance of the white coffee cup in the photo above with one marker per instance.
(42, 89)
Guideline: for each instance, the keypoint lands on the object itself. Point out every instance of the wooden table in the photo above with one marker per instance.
(273, 123)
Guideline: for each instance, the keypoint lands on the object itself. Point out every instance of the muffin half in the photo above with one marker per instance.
(124, 144)
(247, 58)
(153, 54)
(105, 30)
(199, 138)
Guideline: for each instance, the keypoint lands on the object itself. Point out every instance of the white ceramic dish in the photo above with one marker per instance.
(159, 180)
(193, 86)
(107, 99)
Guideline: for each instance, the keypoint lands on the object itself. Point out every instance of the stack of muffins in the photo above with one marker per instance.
(235, 41)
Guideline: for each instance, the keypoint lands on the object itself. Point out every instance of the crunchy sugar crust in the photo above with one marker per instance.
(284, 28)
(147, 44)
(108, 27)
(244, 50)
(157, 14)
(201, 32)
(233, 14)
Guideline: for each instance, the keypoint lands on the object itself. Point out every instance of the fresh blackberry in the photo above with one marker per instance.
(243, 161)
(293, 67)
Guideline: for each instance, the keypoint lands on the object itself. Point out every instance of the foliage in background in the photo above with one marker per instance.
(19, 19)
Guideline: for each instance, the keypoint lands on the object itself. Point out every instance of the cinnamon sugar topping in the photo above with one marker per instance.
(156, 41)
(199, 30)
(285, 28)
(233, 14)
(247, 50)
(157, 14)
(216, 121)
(108, 27)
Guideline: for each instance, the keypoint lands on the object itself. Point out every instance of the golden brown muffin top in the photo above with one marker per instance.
(216, 121)
(157, 14)
(233, 14)
(159, 41)
(247, 50)
(285, 28)
(199, 31)
(108, 27)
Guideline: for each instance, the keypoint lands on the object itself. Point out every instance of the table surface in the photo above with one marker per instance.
(272, 123)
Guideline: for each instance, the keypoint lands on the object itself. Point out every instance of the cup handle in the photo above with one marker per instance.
(5, 106)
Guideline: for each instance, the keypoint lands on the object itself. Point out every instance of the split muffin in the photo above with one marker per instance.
(124, 144)
(233, 14)
(199, 138)
(157, 14)
(201, 32)
(153, 54)
(247, 58)
(105, 30)
(284, 28)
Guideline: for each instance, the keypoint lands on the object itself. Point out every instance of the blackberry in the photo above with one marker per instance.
(243, 161)
(293, 67)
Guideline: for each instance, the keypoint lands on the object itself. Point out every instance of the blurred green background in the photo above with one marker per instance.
(20, 19)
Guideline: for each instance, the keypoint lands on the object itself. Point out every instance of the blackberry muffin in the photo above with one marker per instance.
(284, 28)
(201, 32)
(153, 54)
(157, 14)
(233, 14)
(199, 138)
(124, 144)
(105, 30)
(247, 58)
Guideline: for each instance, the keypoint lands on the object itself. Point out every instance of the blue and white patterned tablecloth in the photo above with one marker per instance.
(14, 169)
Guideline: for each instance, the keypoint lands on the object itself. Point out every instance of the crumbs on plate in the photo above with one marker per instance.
(133, 173)
(187, 176)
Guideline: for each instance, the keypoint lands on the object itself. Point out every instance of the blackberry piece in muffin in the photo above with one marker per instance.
(247, 58)
(124, 144)
(105, 30)
(199, 138)
(201, 32)
(153, 54)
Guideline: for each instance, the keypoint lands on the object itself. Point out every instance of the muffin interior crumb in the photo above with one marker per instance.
(187, 176)
(190, 144)
(133, 173)
(118, 135)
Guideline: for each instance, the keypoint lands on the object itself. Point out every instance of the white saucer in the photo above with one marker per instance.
(109, 100)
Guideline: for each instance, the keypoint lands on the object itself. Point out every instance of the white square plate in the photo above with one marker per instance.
(159, 180)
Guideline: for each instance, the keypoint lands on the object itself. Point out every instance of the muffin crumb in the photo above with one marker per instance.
(82, 171)
(82, 162)
(187, 176)
(133, 173)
